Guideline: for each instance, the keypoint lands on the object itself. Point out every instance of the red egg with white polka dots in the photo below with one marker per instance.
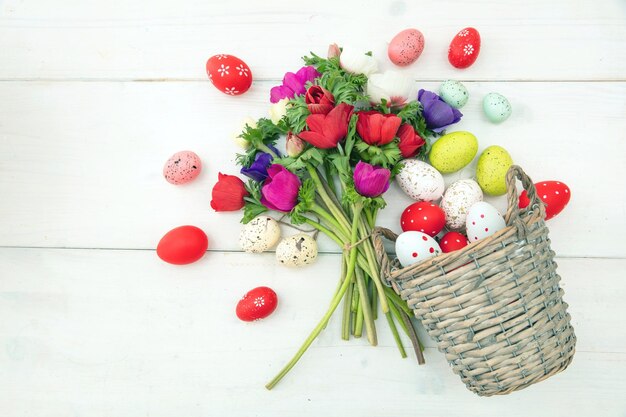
(464, 48)
(229, 74)
(554, 194)
(424, 217)
(452, 241)
(257, 304)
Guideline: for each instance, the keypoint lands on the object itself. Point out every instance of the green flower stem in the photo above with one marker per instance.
(315, 208)
(396, 313)
(329, 180)
(396, 335)
(373, 297)
(341, 218)
(345, 319)
(326, 231)
(366, 308)
(335, 302)
(373, 270)
(358, 322)
(354, 299)
(395, 298)
(266, 149)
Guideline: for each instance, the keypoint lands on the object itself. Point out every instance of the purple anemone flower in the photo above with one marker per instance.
(294, 84)
(258, 169)
(280, 190)
(369, 180)
(438, 113)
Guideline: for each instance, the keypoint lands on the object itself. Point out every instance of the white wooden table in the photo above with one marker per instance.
(96, 95)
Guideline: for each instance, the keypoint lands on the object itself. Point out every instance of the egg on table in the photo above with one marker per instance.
(464, 48)
(491, 170)
(413, 247)
(296, 250)
(483, 220)
(182, 167)
(229, 74)
(423, 216)
(496, 107)
(453, 151)
(260, 234)
(554, 194)
(457, 200)
(406, 47)
(257, 304)
(183, 245)
(454, 93)
(420, 181)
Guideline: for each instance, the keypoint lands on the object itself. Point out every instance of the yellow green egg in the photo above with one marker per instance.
(453, 151)
(491, 170)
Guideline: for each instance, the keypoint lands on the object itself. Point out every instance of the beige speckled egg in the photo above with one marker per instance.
(420, 181)
(259, 235)
(296, 250)
(458, 199)
(182, 167)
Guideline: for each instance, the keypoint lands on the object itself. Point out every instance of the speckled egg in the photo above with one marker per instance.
(297, 250)
(260, 234)
(496, 107)
(420, 181)
(182, 167)
(406, 47)
(454, 93)
(457, 200)
(453, 151)
(491, 170)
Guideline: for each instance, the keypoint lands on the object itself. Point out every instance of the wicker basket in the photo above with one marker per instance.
(495, 307)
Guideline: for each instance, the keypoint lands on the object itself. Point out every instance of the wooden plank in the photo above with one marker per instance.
(81, 163)
(529, 40)
(99, 332)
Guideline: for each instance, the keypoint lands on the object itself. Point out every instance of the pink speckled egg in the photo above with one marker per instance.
(406, 47)
(182, 167)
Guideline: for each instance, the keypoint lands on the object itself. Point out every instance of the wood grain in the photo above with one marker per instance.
(95, 332)
(522, 40)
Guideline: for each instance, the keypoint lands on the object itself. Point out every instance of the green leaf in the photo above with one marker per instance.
(297, 112)
(251, 210)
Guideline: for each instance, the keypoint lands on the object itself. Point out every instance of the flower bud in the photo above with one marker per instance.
(294, 145)
(333, 50)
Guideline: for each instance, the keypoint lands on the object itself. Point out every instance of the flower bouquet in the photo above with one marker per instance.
(347, 130)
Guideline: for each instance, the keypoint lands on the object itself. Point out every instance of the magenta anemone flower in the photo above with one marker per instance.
(371, 181)
(280, 190)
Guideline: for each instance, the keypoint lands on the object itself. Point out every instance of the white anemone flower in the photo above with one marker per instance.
(396, 88)
(236, 137)
(278, 110)
(357, 62)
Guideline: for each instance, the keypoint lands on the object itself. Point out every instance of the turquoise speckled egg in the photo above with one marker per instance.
(454, 93)
(497, 108)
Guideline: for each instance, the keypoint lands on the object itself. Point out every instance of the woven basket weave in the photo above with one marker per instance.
(495, 307)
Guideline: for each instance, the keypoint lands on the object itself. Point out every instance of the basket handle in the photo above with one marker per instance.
(513, 212)
(381, 255)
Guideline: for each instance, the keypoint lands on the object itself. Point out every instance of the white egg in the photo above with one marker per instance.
(260, 234)
(296, 250)
(483, 220)
(413, 247)
(457, 200)
(420, 181)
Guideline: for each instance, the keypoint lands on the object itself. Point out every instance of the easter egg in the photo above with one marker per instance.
(182, 167)
(554, 194)
(182, 245)
(406, 47)
(452, 241)
(453, 151)
(229, 74)
(413, 247)
(454, 93)
(420, 181)
(496, 107)
(483, 220)
(296, 250)
(464, 48)
(457, 200)
(257, 304)
(491, 170)
(259, 234)
(423, 217)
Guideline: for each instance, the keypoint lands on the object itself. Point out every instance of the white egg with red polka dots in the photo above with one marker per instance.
(483, 220)
(413, 247)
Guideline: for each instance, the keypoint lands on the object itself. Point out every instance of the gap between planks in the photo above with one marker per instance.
(277, 80)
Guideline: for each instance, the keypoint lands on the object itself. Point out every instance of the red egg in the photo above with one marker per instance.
(229, 74)
(452, 241)
(423, 217)
(183, 245)
(257, 304)
(464, 48)
(554, 194)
